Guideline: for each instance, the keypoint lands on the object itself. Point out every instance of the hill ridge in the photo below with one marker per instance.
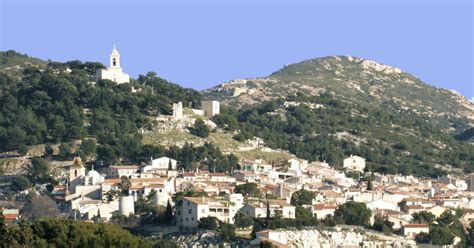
(352, 79)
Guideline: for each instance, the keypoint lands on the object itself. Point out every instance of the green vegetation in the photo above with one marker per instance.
(248, 189)
(302, 197)
(227, 231)
(242, 220)
(354, 81)
(353, 213)
(67, 233)
(423, 217)
(200, 129)
(391, 142)
(39, 171)
(444, 229)
(13, 63)
(20, 183)
(56, 105)
(382, 224)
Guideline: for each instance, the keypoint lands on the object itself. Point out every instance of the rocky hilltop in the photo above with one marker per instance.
(354, 80)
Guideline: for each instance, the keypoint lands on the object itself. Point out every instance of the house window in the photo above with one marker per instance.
(190, 211)
(114, 61)
(179, 212)
(189, 204)
(192, 218)
(75, 173)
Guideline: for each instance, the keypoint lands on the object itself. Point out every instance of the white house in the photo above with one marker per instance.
(114, 72)
(354, 163)
(161, 163)
(246, 176)
(255, 165)
(117, 171)
(411, 230)
(382, 204)
(86, 208)
(297, 166)
(259, 209)
(191, 209)
(438, 210)
(321, 210)
(276, 238)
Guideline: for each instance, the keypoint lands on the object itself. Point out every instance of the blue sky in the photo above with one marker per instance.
(203, 43)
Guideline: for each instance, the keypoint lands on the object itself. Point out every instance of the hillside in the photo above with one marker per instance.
(323, 127)
(60, 104)
(354, 80)
(325, 108)
(13, 63)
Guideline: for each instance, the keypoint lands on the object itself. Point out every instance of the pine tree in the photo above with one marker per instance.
(369, 185)
(267, 219)
(168, 213)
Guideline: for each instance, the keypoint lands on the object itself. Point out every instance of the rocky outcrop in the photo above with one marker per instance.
(307, 238)
(342, 238)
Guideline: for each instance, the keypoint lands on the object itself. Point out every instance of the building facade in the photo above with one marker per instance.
(114, 71)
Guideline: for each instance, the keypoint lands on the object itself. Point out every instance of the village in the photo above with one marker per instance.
(89, 194)
(86, 193)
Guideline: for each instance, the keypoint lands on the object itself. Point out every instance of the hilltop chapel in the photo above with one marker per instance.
(114, 72)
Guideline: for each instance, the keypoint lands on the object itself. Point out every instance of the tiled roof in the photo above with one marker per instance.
(415, 225)
(125, 167)
(10, 216)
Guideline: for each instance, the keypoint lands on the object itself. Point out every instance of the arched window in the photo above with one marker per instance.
(75, 173)
(114, 62)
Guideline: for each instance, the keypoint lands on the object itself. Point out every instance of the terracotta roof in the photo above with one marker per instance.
(147, 180)
(321, 206)
(112, 180)
(10, 216)
(155, 186)
(262, 203)
(125, 167)
(415, 207)
(388, 212)
(415, 225)
(204, 200)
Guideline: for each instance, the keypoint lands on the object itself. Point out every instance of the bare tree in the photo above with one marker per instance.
(40, 207)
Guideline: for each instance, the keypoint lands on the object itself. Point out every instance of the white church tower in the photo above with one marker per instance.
(114, 72)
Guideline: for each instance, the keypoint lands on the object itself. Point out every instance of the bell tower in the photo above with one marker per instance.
(114, 59)
(114, 71)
